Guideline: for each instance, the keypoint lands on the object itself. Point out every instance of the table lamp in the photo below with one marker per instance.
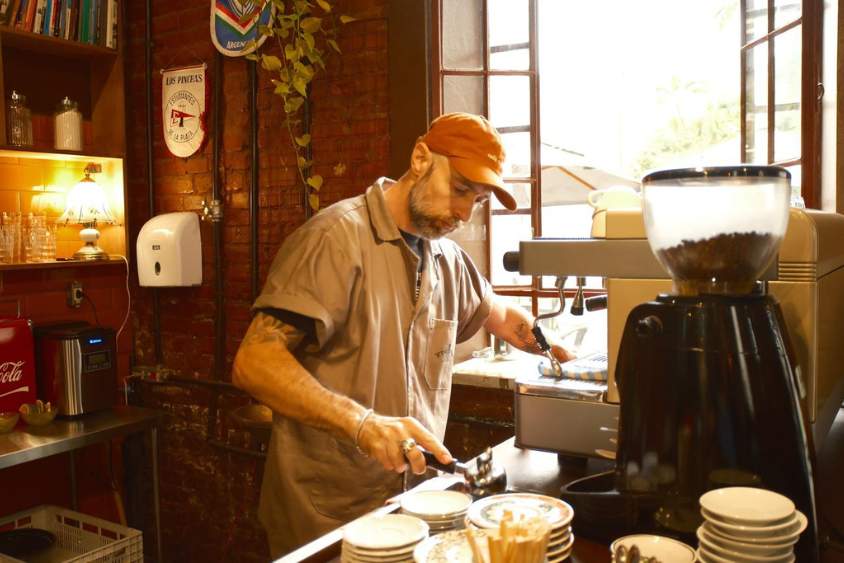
(87, 205)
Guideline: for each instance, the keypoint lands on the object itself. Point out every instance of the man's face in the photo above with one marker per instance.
(442, 200)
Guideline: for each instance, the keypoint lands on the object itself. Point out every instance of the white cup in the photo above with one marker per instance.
(616, 196)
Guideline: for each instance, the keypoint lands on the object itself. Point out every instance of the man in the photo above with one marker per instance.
(353, 338)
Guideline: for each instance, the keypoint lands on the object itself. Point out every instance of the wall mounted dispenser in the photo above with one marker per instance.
(169, 251)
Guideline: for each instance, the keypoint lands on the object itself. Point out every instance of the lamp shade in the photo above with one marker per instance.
(86, 203)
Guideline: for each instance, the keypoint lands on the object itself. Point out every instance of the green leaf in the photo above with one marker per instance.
(270, 62)
(265, 30)
(311, 25)
(304, 163)
(251, 56)
(300, 86)
(313, 199)
(291, 53)
(324, 5)
(304, 140)
(281, 88)
(279, 5)
(309, 40)
(296, 103)
(334, 45)
(348, 19)
(285, 33)
(284, 74)
(315, 182)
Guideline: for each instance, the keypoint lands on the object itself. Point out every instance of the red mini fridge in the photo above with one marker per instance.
(17, 361)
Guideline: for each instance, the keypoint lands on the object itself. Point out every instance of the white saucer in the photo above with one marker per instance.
(777, 531)
(739, 555)
(759, 550)
(747, 506)
(452, 547)
(489, 512)
(436, 505)
(706, 556)
(390, 531)
(763, 544)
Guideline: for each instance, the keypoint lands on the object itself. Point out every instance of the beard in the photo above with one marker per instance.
(426, 221)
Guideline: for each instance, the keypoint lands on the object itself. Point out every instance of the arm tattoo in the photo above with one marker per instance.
(266, 328)
(526, 338)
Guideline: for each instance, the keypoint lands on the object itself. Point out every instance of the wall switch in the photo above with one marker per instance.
(74, 294)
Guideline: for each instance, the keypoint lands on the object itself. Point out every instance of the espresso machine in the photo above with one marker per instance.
(711, 388)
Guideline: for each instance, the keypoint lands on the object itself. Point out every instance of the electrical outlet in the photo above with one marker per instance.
(74, 294)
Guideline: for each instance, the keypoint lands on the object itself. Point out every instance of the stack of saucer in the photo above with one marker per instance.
(390, 538)
(489, 512)
(441, 510)
(748, 524)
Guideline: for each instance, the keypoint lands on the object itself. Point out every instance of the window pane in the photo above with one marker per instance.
(517, 147)
(508, 22)
(509, 101)
(472, 238)
(757, 19)
(507, 231)
(510, 58)
(630, 104)
(786, 11)
(520, 192)
(463, 93)
(787, 95)
(462, 34)
(796, 181)
(756, 92)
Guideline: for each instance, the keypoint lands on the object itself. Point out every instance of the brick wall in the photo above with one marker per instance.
(209, 495)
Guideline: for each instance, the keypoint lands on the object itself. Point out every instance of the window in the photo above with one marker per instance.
(589, 95)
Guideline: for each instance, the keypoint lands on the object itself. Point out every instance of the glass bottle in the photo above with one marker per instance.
(67, 126)
(19, 121)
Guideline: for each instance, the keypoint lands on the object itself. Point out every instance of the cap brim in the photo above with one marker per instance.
(483, 175)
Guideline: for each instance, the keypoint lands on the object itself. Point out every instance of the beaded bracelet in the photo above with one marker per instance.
(360, 425)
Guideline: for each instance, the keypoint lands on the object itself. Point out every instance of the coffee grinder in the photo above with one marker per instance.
(710, 394)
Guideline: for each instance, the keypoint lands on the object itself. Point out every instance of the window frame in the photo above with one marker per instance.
(811, 20)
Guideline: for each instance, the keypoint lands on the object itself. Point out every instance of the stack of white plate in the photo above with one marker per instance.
(748, 525)
(390, 538)
(489, 512)
(441, 510)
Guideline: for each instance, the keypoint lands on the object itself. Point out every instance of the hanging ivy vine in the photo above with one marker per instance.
(306, 35)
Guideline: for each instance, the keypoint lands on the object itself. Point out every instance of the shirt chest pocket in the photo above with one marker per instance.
(439, 354)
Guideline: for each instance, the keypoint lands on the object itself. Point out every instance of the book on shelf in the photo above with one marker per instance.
(7, 11)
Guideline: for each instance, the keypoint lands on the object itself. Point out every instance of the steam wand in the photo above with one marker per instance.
(537, 331)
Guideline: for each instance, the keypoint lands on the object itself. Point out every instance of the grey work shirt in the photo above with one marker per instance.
(350, 270)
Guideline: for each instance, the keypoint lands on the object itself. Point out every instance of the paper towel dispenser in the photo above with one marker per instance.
(169, 251)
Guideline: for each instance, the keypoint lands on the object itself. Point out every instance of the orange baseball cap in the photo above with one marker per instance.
(475, 149)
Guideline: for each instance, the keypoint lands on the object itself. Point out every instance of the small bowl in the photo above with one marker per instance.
(8, 421)
(35, 418)
(664, 549)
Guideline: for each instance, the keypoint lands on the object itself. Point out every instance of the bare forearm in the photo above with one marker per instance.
(266, 369)
(514, 325)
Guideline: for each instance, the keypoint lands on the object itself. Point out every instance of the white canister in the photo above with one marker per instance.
(67, 121)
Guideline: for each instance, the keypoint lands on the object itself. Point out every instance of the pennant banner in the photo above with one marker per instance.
(183, 95)
(228, 34)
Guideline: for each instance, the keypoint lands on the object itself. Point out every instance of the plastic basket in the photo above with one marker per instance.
(79, 537)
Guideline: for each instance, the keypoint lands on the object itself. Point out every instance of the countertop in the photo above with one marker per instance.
(542, 472)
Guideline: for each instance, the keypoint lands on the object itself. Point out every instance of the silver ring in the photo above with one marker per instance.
(407, 445)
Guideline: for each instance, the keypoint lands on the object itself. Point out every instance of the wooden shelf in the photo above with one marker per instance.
(112, 260)
(54, 154)
(12, 37)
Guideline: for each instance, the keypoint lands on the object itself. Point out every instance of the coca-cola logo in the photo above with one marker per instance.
(11, 371)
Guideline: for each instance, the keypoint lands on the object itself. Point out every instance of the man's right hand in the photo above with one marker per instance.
(380, 438)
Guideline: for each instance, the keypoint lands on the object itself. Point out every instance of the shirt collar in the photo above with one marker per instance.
(382, 220)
